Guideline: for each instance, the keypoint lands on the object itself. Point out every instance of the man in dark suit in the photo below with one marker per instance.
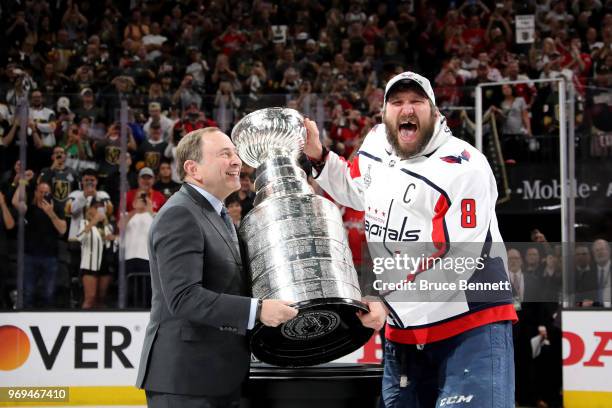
(586, 277)
(195, 352)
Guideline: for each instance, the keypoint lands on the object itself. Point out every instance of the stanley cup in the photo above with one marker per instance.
(297, 248)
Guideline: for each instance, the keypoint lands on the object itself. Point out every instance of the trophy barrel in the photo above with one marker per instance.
(297, 249)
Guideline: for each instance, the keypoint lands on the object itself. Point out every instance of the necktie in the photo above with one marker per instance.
(516, 283)
(601, 285)
(230, 226)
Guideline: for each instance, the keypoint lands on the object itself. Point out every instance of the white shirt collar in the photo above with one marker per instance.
(214, 201)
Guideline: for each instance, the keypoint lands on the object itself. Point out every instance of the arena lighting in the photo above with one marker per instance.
(566, 166)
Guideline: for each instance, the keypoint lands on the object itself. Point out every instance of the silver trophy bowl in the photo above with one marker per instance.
(297, 248)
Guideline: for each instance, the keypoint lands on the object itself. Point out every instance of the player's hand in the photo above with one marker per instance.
(377, 316)
(312, 147)
(276, 312)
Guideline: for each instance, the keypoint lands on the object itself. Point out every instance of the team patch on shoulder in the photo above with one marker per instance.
(465, 155)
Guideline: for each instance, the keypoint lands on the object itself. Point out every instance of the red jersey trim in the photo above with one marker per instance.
(353, 166)
(453, 327)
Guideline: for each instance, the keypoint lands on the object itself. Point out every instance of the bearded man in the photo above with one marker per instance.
(421, 188)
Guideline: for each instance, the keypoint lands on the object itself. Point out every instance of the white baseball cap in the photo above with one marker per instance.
(411, 76)
(146, 171)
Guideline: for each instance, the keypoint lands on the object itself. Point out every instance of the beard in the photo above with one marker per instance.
(426, 133)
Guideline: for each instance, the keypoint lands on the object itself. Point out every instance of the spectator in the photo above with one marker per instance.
(76, 146)
(156, 95)
(474, 34)
(43, 229)
(64, 119)
(551, 280)
(73, 21)
(516, 123)
(198, 68)
(234, 208)
(87, 107)
(533, 264)
(137, 224)
(9, 145)
(122, 88)
(601, 254)
(517, 278)
(453, 39)
(78, 203)
(151, 151)
(18, 31)
(153, 42)
(186, 94)
(592, 43)
(223, 72)
(193, 119)
(62, 179)
(44, 118)
(62, 51)
(526, 90)
(51, 82)
(83, 78)
(468, 62)
(586, 288)
(156, 115)
(164, 183)
(492, 73)
(96, 235)
(7, 223)
(246, 194)
(145, 193)
(226, 106)
(107, 153)
(257, 80)
(539, 58)
(136, 30)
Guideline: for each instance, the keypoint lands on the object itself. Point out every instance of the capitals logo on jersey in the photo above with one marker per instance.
(465, 155)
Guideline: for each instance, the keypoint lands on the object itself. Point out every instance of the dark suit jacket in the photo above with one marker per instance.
(195, 342)
(587, 285)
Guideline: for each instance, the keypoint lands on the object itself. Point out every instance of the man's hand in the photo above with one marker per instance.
(275, 312)
(312, 147)
(47, 207)
(377, 316)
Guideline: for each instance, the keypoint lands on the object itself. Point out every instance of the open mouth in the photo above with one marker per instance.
(407, 130)
(233, 173)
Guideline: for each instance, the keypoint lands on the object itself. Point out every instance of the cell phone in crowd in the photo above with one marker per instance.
(101, 210)
(48, 198)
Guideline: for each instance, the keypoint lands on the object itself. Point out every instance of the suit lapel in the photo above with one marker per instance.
(214, 218)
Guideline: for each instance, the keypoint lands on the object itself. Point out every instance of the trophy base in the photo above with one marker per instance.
(324, 329)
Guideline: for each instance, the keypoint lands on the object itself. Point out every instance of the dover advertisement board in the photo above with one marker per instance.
(96, 354)
(587, 359)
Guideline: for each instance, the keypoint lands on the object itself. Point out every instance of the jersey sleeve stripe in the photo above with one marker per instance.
(371, 156)
(353, 166)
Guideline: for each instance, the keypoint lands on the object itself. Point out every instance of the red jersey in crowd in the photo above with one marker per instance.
(157, 198)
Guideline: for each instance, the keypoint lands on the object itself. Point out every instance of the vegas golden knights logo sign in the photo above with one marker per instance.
(112, 155)
(61, 189)
(152, 160)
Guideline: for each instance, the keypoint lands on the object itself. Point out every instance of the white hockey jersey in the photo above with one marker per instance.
(440, 204)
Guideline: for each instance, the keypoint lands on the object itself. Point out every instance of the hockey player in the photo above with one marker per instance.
(419, 185)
